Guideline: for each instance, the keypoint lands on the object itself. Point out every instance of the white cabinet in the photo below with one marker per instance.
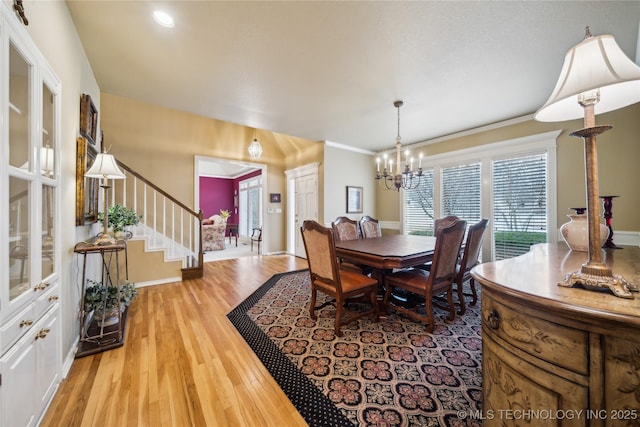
(30, 339)
(30, 371)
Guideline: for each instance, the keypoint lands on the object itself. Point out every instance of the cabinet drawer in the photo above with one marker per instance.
(562, 346)
(50, 296)
(17, 326)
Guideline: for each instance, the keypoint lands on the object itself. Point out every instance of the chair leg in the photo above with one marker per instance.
(339, 305)
(463, 307)
(312, 306)
(452, 309)
(472, 284)
(428, 306)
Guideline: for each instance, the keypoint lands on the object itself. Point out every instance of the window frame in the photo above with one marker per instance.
(485, 154)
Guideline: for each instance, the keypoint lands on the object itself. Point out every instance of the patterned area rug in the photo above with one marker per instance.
(390, 373)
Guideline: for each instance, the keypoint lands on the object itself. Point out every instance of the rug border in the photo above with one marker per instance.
(313, 406)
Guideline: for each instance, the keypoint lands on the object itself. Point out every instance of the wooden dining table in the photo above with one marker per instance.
(388, 252)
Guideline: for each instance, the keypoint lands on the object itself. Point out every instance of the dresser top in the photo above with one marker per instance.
(534, 276)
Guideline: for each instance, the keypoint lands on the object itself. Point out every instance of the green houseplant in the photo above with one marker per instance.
(103, 300)
(119, 217)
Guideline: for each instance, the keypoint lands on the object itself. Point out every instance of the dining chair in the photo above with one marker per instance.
(428, 284)
(348, 229)
(370, 227)
(444, 222)
(327, 277)
(470, 258)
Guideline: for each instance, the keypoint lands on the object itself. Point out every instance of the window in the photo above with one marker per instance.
(519, 204)
(418, 207)
(461, 192)
(249, 209)
(510, 182)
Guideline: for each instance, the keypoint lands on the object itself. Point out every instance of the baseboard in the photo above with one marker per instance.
(159, 282)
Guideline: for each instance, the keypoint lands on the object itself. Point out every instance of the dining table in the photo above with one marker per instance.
(388, 252)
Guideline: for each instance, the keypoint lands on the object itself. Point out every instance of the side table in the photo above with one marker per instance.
(97, 336)
(233, 231)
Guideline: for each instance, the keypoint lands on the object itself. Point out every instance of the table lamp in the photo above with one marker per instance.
(105, 167)
(596, 77)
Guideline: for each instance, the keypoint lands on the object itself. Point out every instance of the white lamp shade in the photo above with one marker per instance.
(595, 63)
(105, 166)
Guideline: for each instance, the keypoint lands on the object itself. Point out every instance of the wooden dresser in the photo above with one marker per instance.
(558, 356)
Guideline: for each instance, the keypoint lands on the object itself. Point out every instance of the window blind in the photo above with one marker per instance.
(418, 207)
(519, 204)
(461, 192)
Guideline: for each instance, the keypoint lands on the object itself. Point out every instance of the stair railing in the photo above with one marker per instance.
(166, 222)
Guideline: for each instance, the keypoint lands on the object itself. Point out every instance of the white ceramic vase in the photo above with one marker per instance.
(576, 232)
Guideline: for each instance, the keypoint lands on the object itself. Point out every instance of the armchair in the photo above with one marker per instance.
(213, 231)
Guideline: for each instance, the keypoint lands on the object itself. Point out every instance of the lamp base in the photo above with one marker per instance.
(104, 239)
(617, 284)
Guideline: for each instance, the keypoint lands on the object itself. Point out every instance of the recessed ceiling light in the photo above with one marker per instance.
(163, 18)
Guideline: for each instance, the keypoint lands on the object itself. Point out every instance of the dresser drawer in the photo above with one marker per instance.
(560, 345)
(17, 326)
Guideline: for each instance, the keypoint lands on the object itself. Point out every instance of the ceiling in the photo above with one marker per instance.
(330, 71)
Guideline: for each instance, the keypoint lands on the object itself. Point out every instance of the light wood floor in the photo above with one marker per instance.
(183, 363)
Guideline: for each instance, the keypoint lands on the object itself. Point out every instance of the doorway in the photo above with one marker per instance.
(246, 212)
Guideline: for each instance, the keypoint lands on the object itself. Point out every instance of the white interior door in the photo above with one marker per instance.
(306, 195)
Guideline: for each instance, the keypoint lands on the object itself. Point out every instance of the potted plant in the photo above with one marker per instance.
(119, 217)
(103, 300)
(225, 214)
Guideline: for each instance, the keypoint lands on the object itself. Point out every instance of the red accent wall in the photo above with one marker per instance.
(216, 194)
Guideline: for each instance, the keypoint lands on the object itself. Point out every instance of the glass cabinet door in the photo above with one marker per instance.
(19, 237)
(19, 95)
(20, 174)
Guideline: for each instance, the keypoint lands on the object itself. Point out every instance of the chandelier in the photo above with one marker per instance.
(255, 149)
(403, 177)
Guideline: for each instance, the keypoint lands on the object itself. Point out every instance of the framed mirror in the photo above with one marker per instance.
(86, 188)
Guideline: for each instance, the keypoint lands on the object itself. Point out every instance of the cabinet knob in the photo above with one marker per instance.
(42, 333)
(493, 320)
(53, 298)
(24, 323)
(41, 286)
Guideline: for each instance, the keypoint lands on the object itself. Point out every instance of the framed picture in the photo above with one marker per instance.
(86, 188)
(275, 198)
(88, 118)
(354, 199)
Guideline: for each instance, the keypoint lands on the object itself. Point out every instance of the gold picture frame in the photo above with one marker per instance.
(86, 188)
(88, 118)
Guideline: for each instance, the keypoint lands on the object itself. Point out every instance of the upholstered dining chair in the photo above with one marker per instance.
(327, 277)
(348, 229)
(470, 258)
(444, 222)
(428, 284)
(370, 227)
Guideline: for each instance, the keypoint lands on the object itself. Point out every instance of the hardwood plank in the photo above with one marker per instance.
(182, 362)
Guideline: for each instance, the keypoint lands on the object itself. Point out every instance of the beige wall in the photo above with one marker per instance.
(618, 158)
(161, 144)
(347, 168)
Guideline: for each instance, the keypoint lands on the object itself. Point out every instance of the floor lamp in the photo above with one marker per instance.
(106, 168)
(596, 77)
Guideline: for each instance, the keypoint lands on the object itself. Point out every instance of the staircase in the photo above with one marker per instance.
(166, 225)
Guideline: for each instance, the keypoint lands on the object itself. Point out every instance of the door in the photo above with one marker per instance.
(306, 193)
